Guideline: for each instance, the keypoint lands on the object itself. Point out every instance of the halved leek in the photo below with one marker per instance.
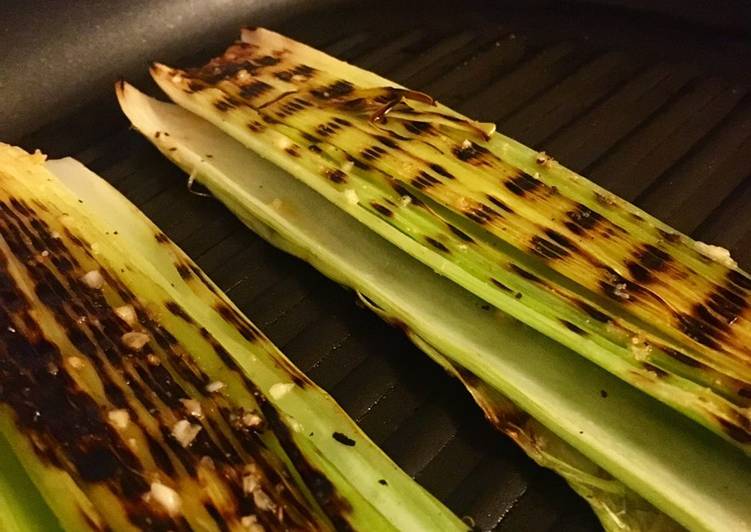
(636, 299)
(136, 395)
(695, 478)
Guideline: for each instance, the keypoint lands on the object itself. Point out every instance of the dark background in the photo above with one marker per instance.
(649, 98)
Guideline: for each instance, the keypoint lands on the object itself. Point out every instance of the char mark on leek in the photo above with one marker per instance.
(44, 382)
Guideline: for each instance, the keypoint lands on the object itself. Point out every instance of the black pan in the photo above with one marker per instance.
(650, 99)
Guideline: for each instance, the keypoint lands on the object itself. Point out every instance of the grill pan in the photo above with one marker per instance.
(654, 105)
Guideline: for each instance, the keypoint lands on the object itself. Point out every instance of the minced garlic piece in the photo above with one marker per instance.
(716, 253)
(185, 432)
(119, 418)
(168, 498)
(215, 386)
(280, 389)
(135, 340)
(127, 313)
(93, 279)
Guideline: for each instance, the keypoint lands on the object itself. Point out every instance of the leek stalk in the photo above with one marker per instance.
(135, 395)
(698, 480)
(642, 302)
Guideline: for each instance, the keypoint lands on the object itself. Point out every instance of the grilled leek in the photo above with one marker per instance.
(506, 223)
(698, 480)
(136, 396)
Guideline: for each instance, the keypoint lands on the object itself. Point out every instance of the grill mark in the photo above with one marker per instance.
(161, 237)
(335, 507)
(724, 306)
(335, 90)
(666, 235)
(695, 329)
(354, 105)
(93, 525)
(469, 152)
(440, 170)
(335, 175)
(329, 128)
(217, 445)
(499, 203)
(682, 358)
(186, 457)
(424, 180)
(381, 209)
(292, 107)
(415, 127)
(404, 193)
(738, 279)
(267, 60)
(461, 234)
(178, 311)
(526, 275)
(546, 249)
(738, 434)
(255, 126)
(194, 86)
(372, 153)
(555, 246)
(184, 271)
(561, 240)
(386, 141)
(638, 272)
(138, 514)
(702, 313)
(304, 70)
(481, 214)
(343, 439)
(574, 328)
(217, 517)
(248, 331)
(294, 150)
(159, 380)
(358, 163)
(521, 184)
(243, 327)
(436, 244)
(648, 259)
(254, 89)
(654, 258)
(225, 104)
(593, 312)
(582, 219)
(500, 285)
